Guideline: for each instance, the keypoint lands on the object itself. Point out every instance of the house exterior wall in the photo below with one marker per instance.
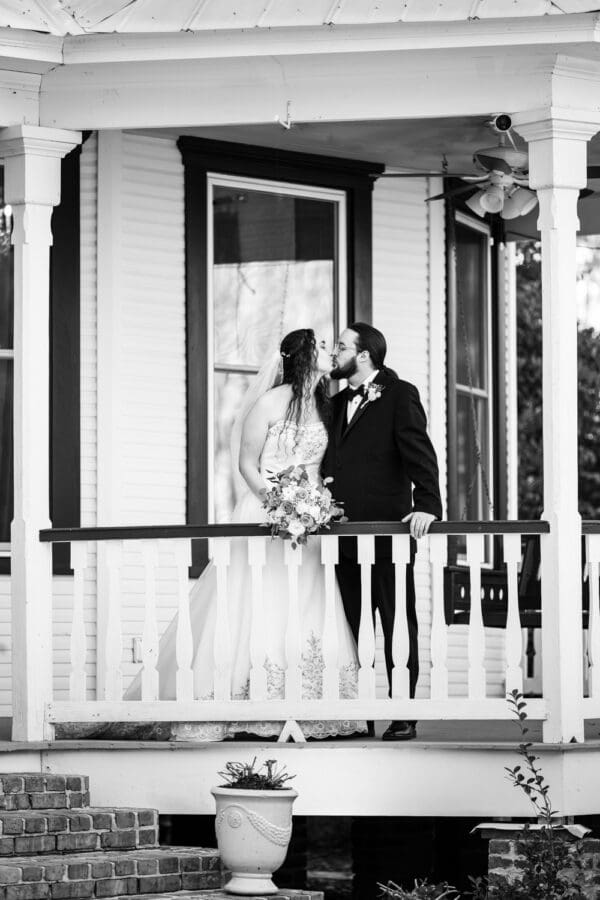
(141, 359)
(133, 377)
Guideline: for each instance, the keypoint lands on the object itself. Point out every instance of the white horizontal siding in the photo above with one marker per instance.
(150, 419)
(136, 474)
(401, 311)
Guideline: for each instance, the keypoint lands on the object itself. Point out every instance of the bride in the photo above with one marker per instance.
(282, 423)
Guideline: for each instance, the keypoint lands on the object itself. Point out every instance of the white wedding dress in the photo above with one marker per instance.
(285, 445)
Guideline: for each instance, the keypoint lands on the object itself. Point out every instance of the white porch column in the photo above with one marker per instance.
(557, 165)
(32, 158)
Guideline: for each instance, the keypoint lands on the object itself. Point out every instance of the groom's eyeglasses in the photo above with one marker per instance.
(339, 348)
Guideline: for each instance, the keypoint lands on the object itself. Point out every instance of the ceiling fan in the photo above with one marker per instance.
(502, 183)
(502, 186)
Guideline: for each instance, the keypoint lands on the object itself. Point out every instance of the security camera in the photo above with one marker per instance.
(501, 123)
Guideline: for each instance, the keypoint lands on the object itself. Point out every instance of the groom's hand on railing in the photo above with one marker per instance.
(418, 523)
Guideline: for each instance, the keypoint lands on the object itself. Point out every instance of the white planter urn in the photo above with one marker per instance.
(253, 833)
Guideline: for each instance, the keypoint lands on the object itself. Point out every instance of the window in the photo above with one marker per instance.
(278, 263)
(269, 223)
(470, 382)
(6, 373)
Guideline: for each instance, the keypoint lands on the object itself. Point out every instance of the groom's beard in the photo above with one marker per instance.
(339, 372)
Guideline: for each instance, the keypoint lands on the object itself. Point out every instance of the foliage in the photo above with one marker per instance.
(552, 867)
(248, 777)
(547, 855)
(529, 366)
(421, 891)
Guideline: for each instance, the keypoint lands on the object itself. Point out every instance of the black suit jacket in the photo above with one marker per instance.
(383, 463)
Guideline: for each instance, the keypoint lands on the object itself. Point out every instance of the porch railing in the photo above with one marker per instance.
(112, 707)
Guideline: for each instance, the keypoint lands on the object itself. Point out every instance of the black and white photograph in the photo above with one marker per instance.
(300, 449)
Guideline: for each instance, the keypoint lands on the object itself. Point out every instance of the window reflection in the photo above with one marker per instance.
(471, 262)
(274, 270)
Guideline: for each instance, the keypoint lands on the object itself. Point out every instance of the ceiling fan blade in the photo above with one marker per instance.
(453, 192)
(585, 193)
(424, 175)
(494, 162)
(410, 175)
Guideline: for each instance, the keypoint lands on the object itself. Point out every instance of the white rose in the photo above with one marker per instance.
(295, 528)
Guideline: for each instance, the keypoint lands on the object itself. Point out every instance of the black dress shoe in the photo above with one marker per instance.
(400, 731)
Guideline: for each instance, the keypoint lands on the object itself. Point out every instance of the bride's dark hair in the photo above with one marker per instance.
(299, 353)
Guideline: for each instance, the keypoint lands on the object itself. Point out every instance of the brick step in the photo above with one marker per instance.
(33, 790)
(35, 832)
(79, 876)
(284, 894)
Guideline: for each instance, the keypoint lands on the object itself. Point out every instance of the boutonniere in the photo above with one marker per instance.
(374, 392)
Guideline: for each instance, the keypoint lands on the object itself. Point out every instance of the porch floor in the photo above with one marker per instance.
(453, 768)
(453, 734)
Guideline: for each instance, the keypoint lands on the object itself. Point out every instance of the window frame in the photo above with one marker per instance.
(201, 157)
(495, 427)
(340, 301)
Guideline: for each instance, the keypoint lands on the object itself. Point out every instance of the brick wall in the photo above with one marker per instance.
(506, 861)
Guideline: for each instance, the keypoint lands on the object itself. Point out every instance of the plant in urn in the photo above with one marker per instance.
(253, 824)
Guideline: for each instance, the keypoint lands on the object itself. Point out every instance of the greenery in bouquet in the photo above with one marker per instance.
(267, 777)
(297, 506)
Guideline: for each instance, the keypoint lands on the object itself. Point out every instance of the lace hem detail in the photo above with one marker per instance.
(313, 666)
(220, 731)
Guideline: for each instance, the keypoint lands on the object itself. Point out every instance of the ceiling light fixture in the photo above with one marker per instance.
(519, 203)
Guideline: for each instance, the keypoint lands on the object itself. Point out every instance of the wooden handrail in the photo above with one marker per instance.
(590, 526)
(150, 532)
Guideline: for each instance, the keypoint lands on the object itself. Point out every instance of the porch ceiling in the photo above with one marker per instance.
(408, 145)
(412, 145)
(63, 17)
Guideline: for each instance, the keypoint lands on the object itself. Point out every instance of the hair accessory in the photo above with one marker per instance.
(285, 355)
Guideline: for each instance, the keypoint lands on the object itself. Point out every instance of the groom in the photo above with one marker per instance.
(384, 468)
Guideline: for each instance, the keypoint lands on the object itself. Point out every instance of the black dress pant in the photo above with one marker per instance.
(383, 598)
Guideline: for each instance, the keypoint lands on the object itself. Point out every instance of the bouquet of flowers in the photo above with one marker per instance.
(297, 507)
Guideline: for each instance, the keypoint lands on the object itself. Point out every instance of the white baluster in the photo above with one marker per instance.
(400, 638)
(150, 633)
(221, 555)
(476, 639)
(184, 642)
(593, 559)
(438, 558)
(78, 641)
(366, 630)
(331, 672)
(113, 689)
(514, 639)
(258, 629)
(293, 637)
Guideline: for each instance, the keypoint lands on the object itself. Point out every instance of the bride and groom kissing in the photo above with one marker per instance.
(371, 439)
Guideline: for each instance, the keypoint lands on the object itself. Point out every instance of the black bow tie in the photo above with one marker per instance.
(360, 391)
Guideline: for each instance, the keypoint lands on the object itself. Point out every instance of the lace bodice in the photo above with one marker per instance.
(288, 444)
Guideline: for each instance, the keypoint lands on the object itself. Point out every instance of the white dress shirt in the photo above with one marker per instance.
(355, 401)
